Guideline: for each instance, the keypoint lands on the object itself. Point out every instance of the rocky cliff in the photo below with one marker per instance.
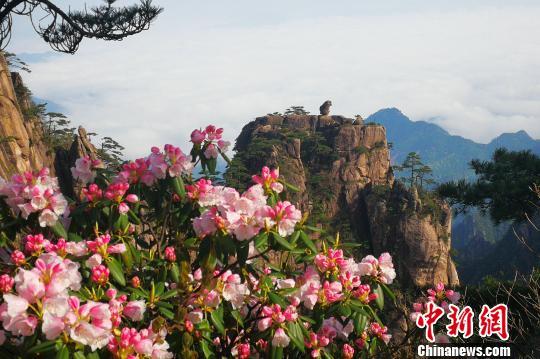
(21, 144)
(342, 170)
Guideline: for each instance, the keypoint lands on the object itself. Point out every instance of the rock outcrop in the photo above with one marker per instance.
(65, 159)
(342, 170)
(21, 135)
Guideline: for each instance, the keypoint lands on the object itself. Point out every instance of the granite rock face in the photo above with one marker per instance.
(21, 135)
(342, 170)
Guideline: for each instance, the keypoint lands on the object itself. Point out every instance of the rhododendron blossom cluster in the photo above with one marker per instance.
(35, 192)
(153, 262)
(440, 296)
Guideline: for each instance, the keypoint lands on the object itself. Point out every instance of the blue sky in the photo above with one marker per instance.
(471, 66)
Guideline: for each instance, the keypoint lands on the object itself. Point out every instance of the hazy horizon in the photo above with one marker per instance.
(470, 68)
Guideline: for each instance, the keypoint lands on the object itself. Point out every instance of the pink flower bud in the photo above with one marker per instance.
(100, 274)
(132, 198)
(189, 326)
(18, 258)
(170, 254)
(6, 283)
(348, 351)
(111, 293)
(135, 282)
(123, 208)
(197, 275)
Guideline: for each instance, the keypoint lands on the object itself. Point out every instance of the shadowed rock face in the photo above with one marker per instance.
(355, 186)
(21, 139)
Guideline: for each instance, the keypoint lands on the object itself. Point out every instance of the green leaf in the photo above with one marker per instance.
(282, 241)
(261, 242)
(175, 273)
(308, 242)
(116, 271)
(63, 353)
(217, 319)
(121, 222)
(133, 217)
(277, 299)
(388, 292)
(294, 237)
(291, 186)
(74, 237)
(166, 312)
(276, 352)
(313, 229)
(135, 253)
(178, 185)
(92, 355)
(238, 317)
(59, 230)
(205, 347)
(296, 335)
(360, 321)
(380, 296)
(79, 355)
(344, 310)
(42, 347)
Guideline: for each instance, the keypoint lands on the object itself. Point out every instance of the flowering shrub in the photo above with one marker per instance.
(152, 262)
(424, 311)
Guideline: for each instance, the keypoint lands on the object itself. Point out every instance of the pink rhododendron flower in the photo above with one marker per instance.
(84, 169)
(35, 244)
(101, 249)
(380, 332)
(29, 285)
(333, 328)
(280, 338)
(198, 136)
(269, 180)
(116, 192)
(100, 274)
(310, 283)
(179, 163)
(213, 133)
(211, 151)
(381, 268)
(35, 192)
(331, 261)
(241, 351)
(316, 342)
(284, 216)
(90, 323)
(134, 310)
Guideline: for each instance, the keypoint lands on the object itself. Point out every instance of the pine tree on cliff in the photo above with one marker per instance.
(417, 172)
(505, 186)
(65, 29)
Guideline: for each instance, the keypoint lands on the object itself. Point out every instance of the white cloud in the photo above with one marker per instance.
(475, 71)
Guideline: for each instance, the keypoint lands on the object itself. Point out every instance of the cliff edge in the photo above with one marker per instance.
(342, 170)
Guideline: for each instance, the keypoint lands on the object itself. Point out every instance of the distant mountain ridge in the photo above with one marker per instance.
(479, 244)
(448, 155)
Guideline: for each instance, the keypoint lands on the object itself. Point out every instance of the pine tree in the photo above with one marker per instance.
(296, 110)
(504, 188)
(111, 152)
(64, 29)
